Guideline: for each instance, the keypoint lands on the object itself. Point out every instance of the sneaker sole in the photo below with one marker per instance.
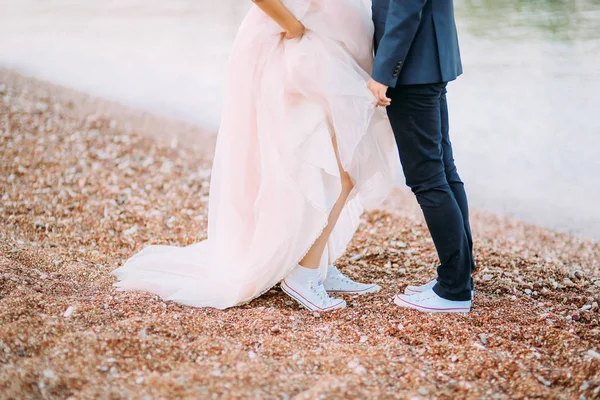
(372, 289)
(306, 303)
(403, 303)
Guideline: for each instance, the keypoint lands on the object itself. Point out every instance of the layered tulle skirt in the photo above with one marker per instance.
(275, 175)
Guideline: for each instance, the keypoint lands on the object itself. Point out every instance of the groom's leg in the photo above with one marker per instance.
(415, 116)
(456, 184)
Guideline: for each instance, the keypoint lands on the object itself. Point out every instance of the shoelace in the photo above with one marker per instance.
(318, 289)
(423, 297)
(343, 279)
(337, 275)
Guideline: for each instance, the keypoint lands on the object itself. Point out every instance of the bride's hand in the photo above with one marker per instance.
(295, 31)
(292, 28)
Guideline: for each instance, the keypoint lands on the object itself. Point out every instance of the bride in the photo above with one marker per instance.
(302, 150)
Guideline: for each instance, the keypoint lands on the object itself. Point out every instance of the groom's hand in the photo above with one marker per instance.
(379, 90)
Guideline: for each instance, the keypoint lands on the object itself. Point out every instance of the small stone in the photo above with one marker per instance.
(276, 329)
(69, 311)
(488, 277)
(48, 373)
(251, 355)
(527, 291)
(575, 317)
(584, 386)
(316, 315)
(360, 369)
(479, 346)
(130, 231)
(544, 381)
(353, 364)
(587, 307)
(39, 225)
(356, 257)
(568, 283)
(400, 327)
(577, 274)
(139, 380)
(216, 372)
(41, 106)
(594, 354)
(103, 368)
(423, 392)
(364, 339)
(270, 318)
(143, 334)
(483, 338)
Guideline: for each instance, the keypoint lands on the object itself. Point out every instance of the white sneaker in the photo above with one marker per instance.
(429, 285)
(420, 289)
(429, 301)
(312, 295)
(337, 282)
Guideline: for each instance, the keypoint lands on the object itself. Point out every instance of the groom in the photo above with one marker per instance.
(416, 47)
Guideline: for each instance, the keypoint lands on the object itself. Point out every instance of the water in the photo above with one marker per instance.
(166, 56)
(524, 115)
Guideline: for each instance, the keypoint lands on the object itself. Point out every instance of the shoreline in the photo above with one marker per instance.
(130, 119)
(151, 125)
(85, 183)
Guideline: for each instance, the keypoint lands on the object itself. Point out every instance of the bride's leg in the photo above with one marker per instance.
(313, 257)
(304, 283)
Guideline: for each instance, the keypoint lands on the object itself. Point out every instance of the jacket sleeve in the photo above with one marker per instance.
(402, 21)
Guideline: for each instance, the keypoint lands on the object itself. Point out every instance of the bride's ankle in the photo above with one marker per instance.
(303, 274)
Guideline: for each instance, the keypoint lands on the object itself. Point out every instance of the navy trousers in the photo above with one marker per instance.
(419, 118)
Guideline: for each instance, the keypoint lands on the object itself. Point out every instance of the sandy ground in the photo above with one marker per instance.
(85, 183)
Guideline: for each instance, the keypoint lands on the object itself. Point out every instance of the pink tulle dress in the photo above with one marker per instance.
(275, 175)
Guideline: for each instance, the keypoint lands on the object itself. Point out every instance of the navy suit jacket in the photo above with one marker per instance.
(415, 42)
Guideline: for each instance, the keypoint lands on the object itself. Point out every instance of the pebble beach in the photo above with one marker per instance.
(85, 183)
